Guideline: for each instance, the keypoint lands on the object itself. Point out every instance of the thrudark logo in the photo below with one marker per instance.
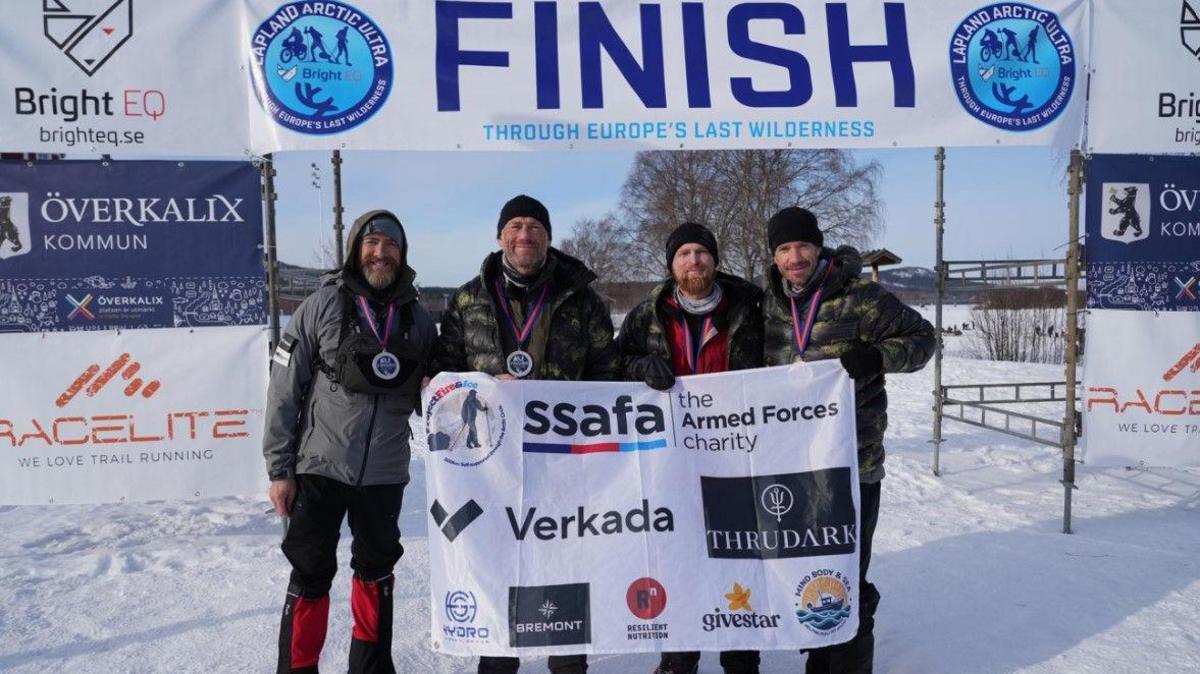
(89, 32)
(779, 516)
(452, 525)
(549, 615)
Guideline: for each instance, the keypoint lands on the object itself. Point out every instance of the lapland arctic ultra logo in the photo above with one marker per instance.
(89, 32)
(1189, 29)
(14, 224)
(1126, 212)
(321, 67)
(1012, 66)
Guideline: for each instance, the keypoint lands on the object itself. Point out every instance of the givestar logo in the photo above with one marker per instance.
(566, 421)
(583, 523)
(89, 32)
(123, 364)
(1171, 402)
(453, 525)
(760, 518)
(741, 614)
(549, 615)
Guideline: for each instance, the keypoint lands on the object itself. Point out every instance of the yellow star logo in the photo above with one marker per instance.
(739, 599)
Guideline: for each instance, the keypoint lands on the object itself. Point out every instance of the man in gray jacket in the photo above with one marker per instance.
(345, 377)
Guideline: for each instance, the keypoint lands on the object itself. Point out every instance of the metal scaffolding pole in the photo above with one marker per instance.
(1074, 189)
(939, 219)
(268, 188)
(336, 160)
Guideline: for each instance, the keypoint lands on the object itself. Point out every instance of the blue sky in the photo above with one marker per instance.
(1001, 202)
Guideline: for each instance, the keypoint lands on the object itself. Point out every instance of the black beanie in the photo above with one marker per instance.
(794, 224)
(691, 232)
(523, 206)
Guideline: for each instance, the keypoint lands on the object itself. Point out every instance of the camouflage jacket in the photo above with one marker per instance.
(853, 311)
(579, 344)
(643, 331)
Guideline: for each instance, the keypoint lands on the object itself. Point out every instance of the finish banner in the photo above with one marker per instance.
(134, 415)
(210, 77)
(604, 517)
(1146, 67)
(97, 246)
(1143, 232)
(1142, 389)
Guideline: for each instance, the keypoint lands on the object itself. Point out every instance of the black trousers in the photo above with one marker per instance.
(311, 546)
(558, 664)
(856, 656)
(733, 662)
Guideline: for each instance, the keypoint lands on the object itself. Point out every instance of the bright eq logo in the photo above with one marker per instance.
(88, 32)
(463, 424)
(321, 67)
(1012, 66)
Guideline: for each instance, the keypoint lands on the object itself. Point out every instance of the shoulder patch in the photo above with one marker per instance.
(283, 350)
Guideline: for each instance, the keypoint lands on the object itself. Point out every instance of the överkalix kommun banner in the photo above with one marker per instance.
(603, 517)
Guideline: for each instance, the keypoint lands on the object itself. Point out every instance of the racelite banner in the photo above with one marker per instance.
(87, 245)
(225, 78)
(1146, 66)
(1142, 389)
(605, 517)
(132, 415)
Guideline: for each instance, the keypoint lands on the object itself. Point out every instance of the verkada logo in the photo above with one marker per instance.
(89, 32)
(452, 525)
(583, 523)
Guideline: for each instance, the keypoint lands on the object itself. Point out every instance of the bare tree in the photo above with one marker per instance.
(602, 244)
(735, 192)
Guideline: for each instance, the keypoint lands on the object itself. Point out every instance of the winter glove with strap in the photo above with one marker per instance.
(654, 370)
(862, 361)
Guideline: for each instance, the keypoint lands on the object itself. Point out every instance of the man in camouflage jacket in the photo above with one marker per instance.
(570, 338)
(872, 333)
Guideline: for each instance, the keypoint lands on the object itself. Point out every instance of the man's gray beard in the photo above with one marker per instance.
(381, 279)
(696, 286)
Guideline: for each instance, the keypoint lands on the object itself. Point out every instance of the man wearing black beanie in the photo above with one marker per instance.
(698, 320)
(553, 326)
(818, 306)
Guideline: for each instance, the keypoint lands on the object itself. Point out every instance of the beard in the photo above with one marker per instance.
(380, 278)
(697, 283)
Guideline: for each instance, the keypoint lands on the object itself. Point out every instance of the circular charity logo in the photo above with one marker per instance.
(823, 601)
(1012, 66)
(321, 67)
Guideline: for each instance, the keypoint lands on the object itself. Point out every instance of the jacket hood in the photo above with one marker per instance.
(351, 277)
(846, 265)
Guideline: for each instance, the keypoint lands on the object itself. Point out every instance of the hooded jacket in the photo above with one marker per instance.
(853, 312)
(579, 338)
(313, 424)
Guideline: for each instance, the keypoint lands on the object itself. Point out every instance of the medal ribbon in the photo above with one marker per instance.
(694, 346)
(800, 336)
(365, 309)
(521, 334)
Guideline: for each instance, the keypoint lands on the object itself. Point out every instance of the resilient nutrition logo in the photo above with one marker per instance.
(1013, 66)
(321, 67)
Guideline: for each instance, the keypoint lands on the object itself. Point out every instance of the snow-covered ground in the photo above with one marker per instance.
(974, 573)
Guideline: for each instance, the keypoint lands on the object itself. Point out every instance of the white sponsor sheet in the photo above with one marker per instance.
(607, 517)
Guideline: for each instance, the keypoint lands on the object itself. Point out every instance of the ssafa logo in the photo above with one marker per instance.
(570, 428)
(461, 609)
(1189, 29)
(88, 32)
(1167, 402)
(14, 224)
(464, 424)
(1012, 66)
(823, 601)
(1125, 212)
(453, 524)
(646, 599)
(740, 613)
(549, 615)
(321, 67)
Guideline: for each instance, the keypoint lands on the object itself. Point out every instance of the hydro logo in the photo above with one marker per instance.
(779, 516)
(1012, 66)
(89, 32)
(321, 67)
(1126, 214)
(594, 426)
(14, 224)
(549, 615)
(461, 610)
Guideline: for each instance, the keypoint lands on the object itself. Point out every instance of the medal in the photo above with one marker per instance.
(385, 365)
(519, 363)
(801, 335)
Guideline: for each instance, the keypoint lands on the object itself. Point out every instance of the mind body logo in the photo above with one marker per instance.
(549, 615)
(321, 67)
(1126, 215)
(14, 225)
(88, 32)
(823, 601)
(464, 424)
(1012, 66)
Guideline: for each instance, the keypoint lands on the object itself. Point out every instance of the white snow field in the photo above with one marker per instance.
(975, 574)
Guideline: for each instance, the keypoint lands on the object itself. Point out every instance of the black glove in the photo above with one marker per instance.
(862, 361)
(653, 370)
